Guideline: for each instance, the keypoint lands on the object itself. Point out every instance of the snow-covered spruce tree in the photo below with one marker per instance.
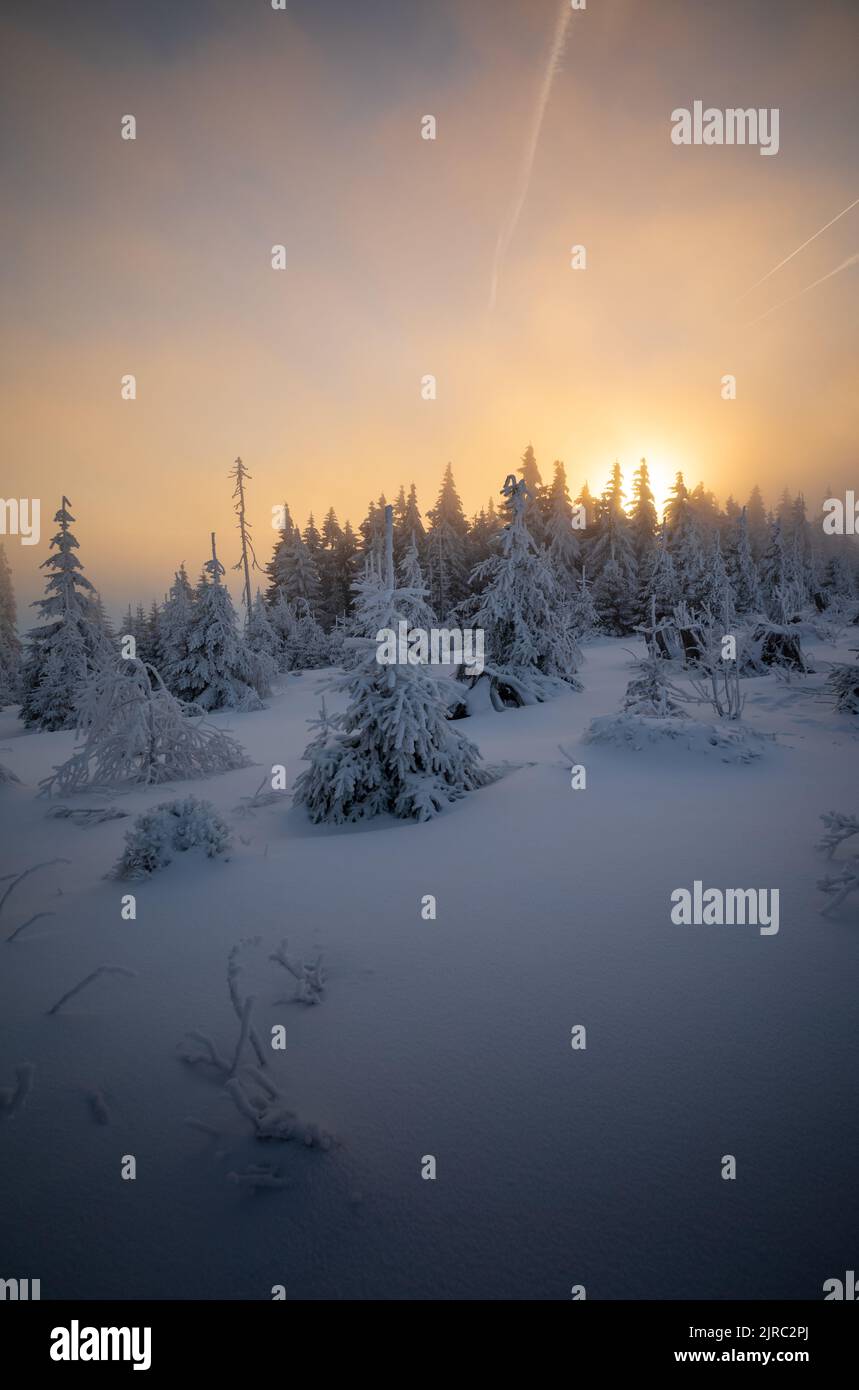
(331, 603)
(685, 545)
(73, 640)
(311, 537)
(132, 730)
(719, 598)
(174, 629)
(614, 596)
(651, 692)
(307, 647)
(756, 523)
(531, 650)
(611, 560)
(393, 749)
(643, 520)
(219, 671)
(482, 533)
(780, 596)
(741, 567)
(535, 495)
(301, 573)
(262, 642)
(659, 581)
(277, 567)
(10, 646)
(137, 624)
(412, 590)
(583, 612)
(408, 524)
(282, 618)
(562, 542)
(446, 549)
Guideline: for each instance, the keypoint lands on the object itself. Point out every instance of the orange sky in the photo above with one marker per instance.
(303, 128)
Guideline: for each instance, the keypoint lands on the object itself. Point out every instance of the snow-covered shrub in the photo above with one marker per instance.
(7, 775)
(134, 730)
(171, 828)
(843, 683)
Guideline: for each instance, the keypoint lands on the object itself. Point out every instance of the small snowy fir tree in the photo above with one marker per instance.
(446, 549)
(262, 642)
(219, 671)
(132, 730)
(278, 565)
(531, 650)
(412, 590)
(73, 640)
(562, 542)
(393, 749)
(301, 572)
(742, 569)
(281, 615)
(583, 611)
(660, 585)
(651, 693)
(10, 646)
(611, 560)
(174, 630)
(307, 647)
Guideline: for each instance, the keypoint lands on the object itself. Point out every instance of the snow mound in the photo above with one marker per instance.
(732, 744)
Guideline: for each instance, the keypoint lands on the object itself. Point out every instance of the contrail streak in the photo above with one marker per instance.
(851, 260)
(509, 226)
(796, 252)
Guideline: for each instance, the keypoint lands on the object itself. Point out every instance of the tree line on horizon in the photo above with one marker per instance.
(595, 563)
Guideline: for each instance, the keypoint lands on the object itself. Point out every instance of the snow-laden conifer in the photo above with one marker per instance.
(393, 749)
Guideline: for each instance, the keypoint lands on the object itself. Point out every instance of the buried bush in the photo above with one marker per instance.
(171, 828)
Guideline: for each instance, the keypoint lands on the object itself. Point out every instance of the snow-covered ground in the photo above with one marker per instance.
(449, 1037)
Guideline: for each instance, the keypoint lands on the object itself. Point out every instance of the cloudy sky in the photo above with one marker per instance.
(257, 127)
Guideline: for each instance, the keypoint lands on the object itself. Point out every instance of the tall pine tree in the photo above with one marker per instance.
(72, 641)
(446, 553)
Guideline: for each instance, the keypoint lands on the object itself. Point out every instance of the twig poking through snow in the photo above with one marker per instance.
(12, 1098)
(82, 815)
(29, 922)
(209, 1054)
(839, 827)
(26, 874)
(93, 975)
(310, 979)
(247, 1008)
(233, 972)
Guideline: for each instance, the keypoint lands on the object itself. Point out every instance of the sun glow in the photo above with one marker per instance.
(662, 473)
